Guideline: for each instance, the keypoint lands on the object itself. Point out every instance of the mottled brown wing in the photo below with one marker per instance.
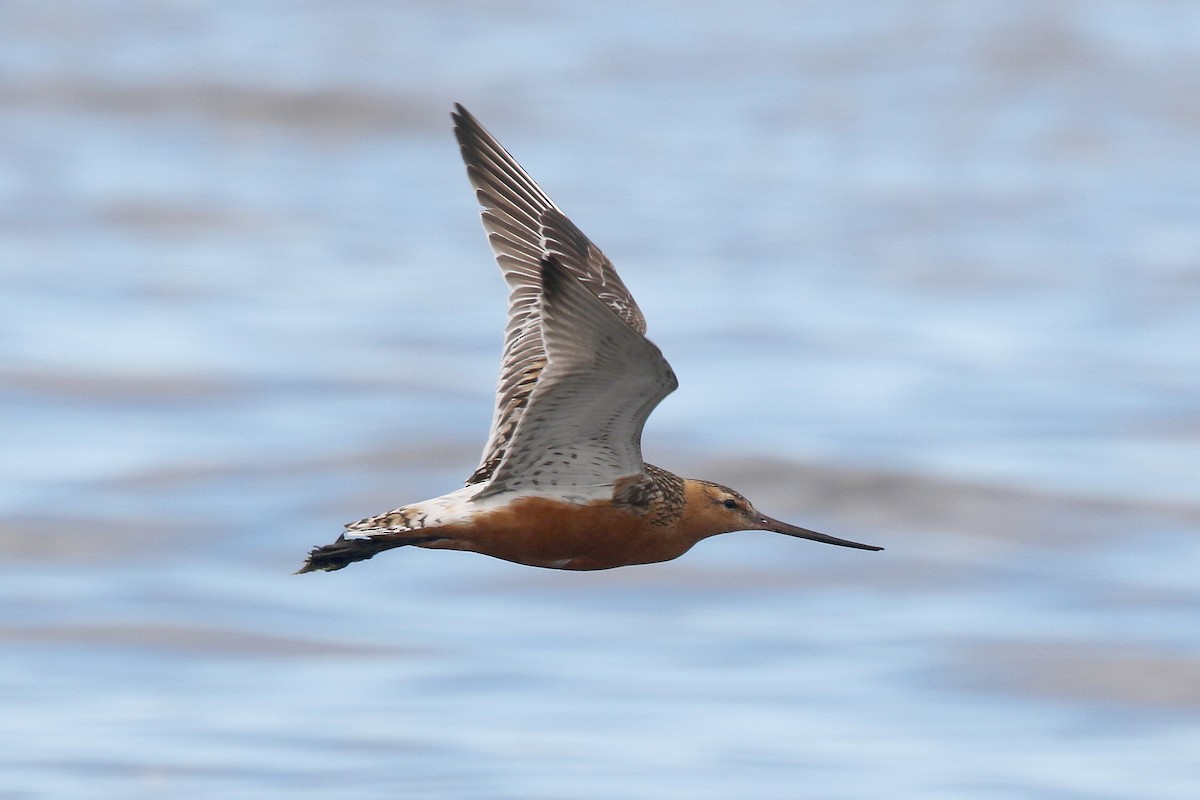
(523, 226)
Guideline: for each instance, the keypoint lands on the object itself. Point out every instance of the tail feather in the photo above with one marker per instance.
(344, 552)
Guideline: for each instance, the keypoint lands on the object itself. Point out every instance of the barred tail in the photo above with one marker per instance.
(345, 551)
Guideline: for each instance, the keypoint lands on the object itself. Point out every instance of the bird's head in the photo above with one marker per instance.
(714, 509)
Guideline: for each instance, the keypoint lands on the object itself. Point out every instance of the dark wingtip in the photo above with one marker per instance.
(464, 123)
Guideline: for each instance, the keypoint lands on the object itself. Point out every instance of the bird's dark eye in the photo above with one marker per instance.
(730, 503)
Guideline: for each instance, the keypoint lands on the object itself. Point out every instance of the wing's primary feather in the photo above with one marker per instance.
(523, 226)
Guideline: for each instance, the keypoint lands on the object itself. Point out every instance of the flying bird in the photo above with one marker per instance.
(561, 483)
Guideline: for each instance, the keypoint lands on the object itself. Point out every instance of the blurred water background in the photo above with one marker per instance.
(929, 276)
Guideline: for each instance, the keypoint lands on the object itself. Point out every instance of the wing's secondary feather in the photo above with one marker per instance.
(583, 422)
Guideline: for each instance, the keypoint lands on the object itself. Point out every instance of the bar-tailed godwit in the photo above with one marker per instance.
(562, 483)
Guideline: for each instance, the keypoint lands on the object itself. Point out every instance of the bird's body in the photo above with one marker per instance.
(561, 483)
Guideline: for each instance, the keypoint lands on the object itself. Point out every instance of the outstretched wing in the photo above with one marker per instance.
(582, 424)
(523, 226)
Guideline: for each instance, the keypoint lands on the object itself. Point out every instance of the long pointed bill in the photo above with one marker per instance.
(766, 523)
